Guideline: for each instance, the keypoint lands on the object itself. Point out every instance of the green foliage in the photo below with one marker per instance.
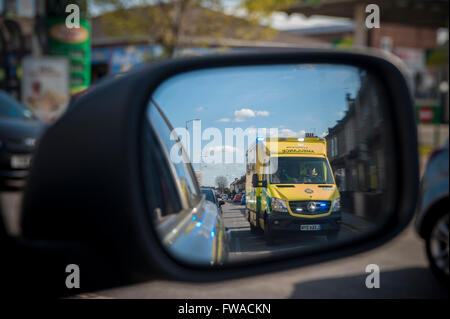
(265, 8)
(168, 22)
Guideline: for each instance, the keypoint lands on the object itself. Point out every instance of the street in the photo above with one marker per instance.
(403, 265)
(245, 245)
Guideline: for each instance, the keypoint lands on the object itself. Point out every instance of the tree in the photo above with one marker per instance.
(167, 22)
(221, 182)
(263, 9)
(267, 7)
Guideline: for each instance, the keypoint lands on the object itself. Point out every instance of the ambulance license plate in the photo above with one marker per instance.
(310, 227)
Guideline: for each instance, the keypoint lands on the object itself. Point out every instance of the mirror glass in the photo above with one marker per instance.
(297, 153)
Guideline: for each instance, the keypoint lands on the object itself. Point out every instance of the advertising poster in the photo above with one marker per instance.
(75, 44)
(45, 86)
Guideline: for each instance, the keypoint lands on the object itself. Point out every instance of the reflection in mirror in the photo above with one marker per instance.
(265, 160)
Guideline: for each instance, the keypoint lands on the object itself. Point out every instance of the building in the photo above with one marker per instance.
(238, 185)
(356, 154)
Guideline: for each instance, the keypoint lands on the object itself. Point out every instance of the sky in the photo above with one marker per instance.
(292, 98)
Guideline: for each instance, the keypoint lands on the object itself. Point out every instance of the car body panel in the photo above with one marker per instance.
(203, 229)
(19, 133)
(213, 195)
(434, 186)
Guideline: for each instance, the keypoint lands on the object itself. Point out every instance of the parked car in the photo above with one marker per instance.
(211, 196)
(237, 198)
(19, 132)
(432, 216)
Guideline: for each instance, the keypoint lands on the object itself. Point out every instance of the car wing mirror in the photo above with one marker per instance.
(127, 184)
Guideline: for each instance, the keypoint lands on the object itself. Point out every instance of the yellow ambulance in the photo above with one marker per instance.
(290, 188)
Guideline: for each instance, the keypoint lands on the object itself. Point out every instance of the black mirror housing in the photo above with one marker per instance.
(108, 204)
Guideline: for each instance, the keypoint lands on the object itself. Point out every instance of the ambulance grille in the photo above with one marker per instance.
(302, 207)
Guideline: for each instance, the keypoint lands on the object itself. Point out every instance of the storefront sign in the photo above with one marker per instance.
(428, 114)
(73, 43)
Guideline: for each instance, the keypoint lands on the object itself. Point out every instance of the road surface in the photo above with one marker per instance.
(245, 245)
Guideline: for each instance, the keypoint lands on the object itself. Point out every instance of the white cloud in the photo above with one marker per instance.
(221, 148)
(286, 133)
(224, 120)
(200, 108)
(262, 113)
(244, 114)
(290, 133)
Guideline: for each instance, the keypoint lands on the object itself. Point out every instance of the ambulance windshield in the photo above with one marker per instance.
(301, 170)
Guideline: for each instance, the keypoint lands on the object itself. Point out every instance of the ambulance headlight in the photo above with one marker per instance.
(336, 205)
(279, 205)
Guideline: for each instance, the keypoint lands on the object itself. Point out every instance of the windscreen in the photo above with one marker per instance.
(302, 170)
